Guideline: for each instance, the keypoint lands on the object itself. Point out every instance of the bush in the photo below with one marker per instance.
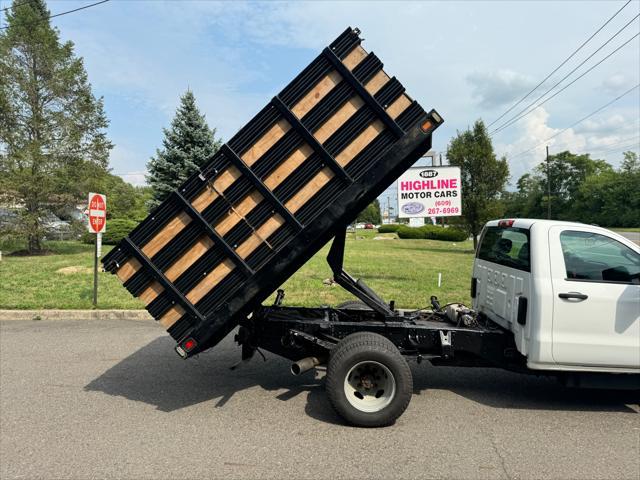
(117, 229)
(390, 228)
(432, 232)
(411, 232)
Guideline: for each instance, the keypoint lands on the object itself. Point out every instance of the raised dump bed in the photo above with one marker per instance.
(332, 141)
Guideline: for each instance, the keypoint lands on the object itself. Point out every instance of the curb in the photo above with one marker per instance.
(74, 315)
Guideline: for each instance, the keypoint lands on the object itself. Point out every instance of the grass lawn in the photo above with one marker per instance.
(403, 270)
(625, 229)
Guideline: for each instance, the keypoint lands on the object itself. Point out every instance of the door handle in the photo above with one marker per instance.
(573, 295)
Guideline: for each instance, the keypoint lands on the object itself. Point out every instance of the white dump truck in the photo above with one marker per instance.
(549, 297)
(569, 293)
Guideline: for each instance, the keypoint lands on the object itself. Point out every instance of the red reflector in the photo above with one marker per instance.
(506, 223)
(189, 344)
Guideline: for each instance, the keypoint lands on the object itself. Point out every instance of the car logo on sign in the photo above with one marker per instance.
(428, 173)
(412, 208)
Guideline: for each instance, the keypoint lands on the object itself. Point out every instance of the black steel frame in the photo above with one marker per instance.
(306, 231)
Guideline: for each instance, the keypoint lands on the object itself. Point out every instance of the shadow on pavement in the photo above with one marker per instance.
(157, 376)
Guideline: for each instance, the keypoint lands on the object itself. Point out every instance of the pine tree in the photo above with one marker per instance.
(187, 145)
(53, 142)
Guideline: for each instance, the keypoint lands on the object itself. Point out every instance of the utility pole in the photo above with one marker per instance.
(548, 187)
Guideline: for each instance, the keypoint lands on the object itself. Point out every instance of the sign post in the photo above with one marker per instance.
(430, 192)
(97, 223)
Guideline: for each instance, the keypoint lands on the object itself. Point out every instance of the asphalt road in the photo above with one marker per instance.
(112, 400)
(633, 236)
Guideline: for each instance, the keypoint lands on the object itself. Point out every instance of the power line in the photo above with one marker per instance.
(14, 5)
(579, 121)
(561, 65)
(518, 118)
(62, 13)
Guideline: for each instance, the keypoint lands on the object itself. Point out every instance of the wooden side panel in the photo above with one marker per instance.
(309, 190)
(360, 142)
(376, 82)
(172, 316)
(354, 57)
(261, 234)
(190, 257)
(223, 181)
(165, 235)
(316, 94)
(151, 292)
(343, 114)
(278, 175)
(268, 140)
(399, 106)
(211, 280)
(126, 271)
(240, 210)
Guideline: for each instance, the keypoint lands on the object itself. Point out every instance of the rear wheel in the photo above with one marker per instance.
(368, 382)
(353, 305)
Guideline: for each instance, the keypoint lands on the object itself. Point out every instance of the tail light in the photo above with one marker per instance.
(186, 346)
(505, 223)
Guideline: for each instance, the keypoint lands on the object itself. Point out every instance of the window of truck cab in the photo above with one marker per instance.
(593, 257)
(509, 246)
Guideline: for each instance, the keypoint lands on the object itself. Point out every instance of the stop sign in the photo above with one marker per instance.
(97, 213)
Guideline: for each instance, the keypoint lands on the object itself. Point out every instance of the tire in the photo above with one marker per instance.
(353, 305)
(368, 381)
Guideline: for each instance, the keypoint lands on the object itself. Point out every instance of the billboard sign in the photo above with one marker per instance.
(430, 192)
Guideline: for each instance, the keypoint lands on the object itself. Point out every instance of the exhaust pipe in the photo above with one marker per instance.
(305, 365)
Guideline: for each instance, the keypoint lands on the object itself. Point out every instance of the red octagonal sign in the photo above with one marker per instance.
(97, 212)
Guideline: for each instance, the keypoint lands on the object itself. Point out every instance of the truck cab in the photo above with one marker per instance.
(569, 293)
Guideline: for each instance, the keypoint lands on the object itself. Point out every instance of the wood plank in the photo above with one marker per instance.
(264, 143)
(151, 292)
(360, 142)
(317, 93)
(277, 176)
(211, 280)
(376, 82)
(128, 269)
(346, 155)
(309, 190)
(338, 119)
(240, 210)
(398, 106)
(262, 233)
(220, 183)
(171, 316)
(168, 232)
(354, 57)
(190, 257)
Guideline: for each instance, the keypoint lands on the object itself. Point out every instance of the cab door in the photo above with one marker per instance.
(596, 295)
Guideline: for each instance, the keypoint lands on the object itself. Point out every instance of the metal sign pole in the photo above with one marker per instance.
(95, 274)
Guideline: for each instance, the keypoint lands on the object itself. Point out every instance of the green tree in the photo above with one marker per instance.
(483, 176)
(123, 199)
(371, 214)
(610, 198)
(52, 128)
(567, 172)
(187, 146)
